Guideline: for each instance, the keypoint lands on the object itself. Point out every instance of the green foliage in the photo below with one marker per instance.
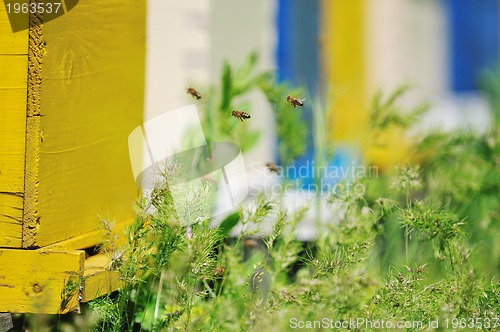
(198, 279)
(228, 223)
(462, 174)
(235, 84)
(432, 222)
(418, 244)
(387, 112)
(290, 127)
(489, 82)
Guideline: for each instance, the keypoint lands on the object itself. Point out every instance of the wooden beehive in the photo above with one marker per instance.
(71, 90)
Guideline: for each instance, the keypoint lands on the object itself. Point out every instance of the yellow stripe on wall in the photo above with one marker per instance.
(344, 69)
(347, 35)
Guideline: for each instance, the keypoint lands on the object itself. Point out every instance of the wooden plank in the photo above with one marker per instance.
(13, 76)
(36, 50)
(91, 98)
(13, 71)
(11, 43)
(11, 217)
(98, 279)
(12, 136)
(94, 237)
(40, 281)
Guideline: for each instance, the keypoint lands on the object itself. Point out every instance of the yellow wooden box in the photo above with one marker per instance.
(71, 90)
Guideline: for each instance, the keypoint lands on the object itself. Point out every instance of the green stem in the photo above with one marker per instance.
(407, 240)
(158, 295)
(451, 258)
(406, 244)
(210, 290)
(319, 155)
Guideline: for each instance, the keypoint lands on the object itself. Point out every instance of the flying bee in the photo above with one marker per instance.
(240, 115)
(250, 243)
(219, 272)
(272, 167)
(294, 101)
(194, 93)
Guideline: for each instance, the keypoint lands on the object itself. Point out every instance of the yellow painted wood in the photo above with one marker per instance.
(11, 43)
(13, 78)
(40, 281)
(343, 41)
(13, 70)
(12, 131)
(98, 278)
(12, 128)
(36, 51)
(71, 90)
(11, 217)
(91, 98)
(91, 238)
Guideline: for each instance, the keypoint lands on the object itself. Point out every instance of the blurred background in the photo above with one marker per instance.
(341, 51)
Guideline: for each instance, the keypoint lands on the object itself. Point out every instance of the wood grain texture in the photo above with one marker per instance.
(13, 80)
(12, 132)
(44, 281)
(11, 43)
(11, 216)
(36, 51)
(12, 138)
(89, 239)
(91, 98)
(98, 279)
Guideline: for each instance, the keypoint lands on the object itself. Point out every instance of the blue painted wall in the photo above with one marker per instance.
(298, 58)
(474, 37)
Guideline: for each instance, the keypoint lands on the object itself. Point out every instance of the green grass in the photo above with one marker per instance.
(419, 245)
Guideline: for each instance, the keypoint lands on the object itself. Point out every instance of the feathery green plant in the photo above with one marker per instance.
(197, 278)
(235, 83)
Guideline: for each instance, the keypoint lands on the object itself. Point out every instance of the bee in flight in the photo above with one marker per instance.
(219, 272)
(294, 101)
(272, 167)
(194, 93)
(240, 115)
(250, 243)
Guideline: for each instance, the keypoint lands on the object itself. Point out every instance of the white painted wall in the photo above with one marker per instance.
(187, 42)
(407, 42)
(237, 28)
(177, 52)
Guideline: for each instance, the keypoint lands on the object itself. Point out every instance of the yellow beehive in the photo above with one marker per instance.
(71, 90)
